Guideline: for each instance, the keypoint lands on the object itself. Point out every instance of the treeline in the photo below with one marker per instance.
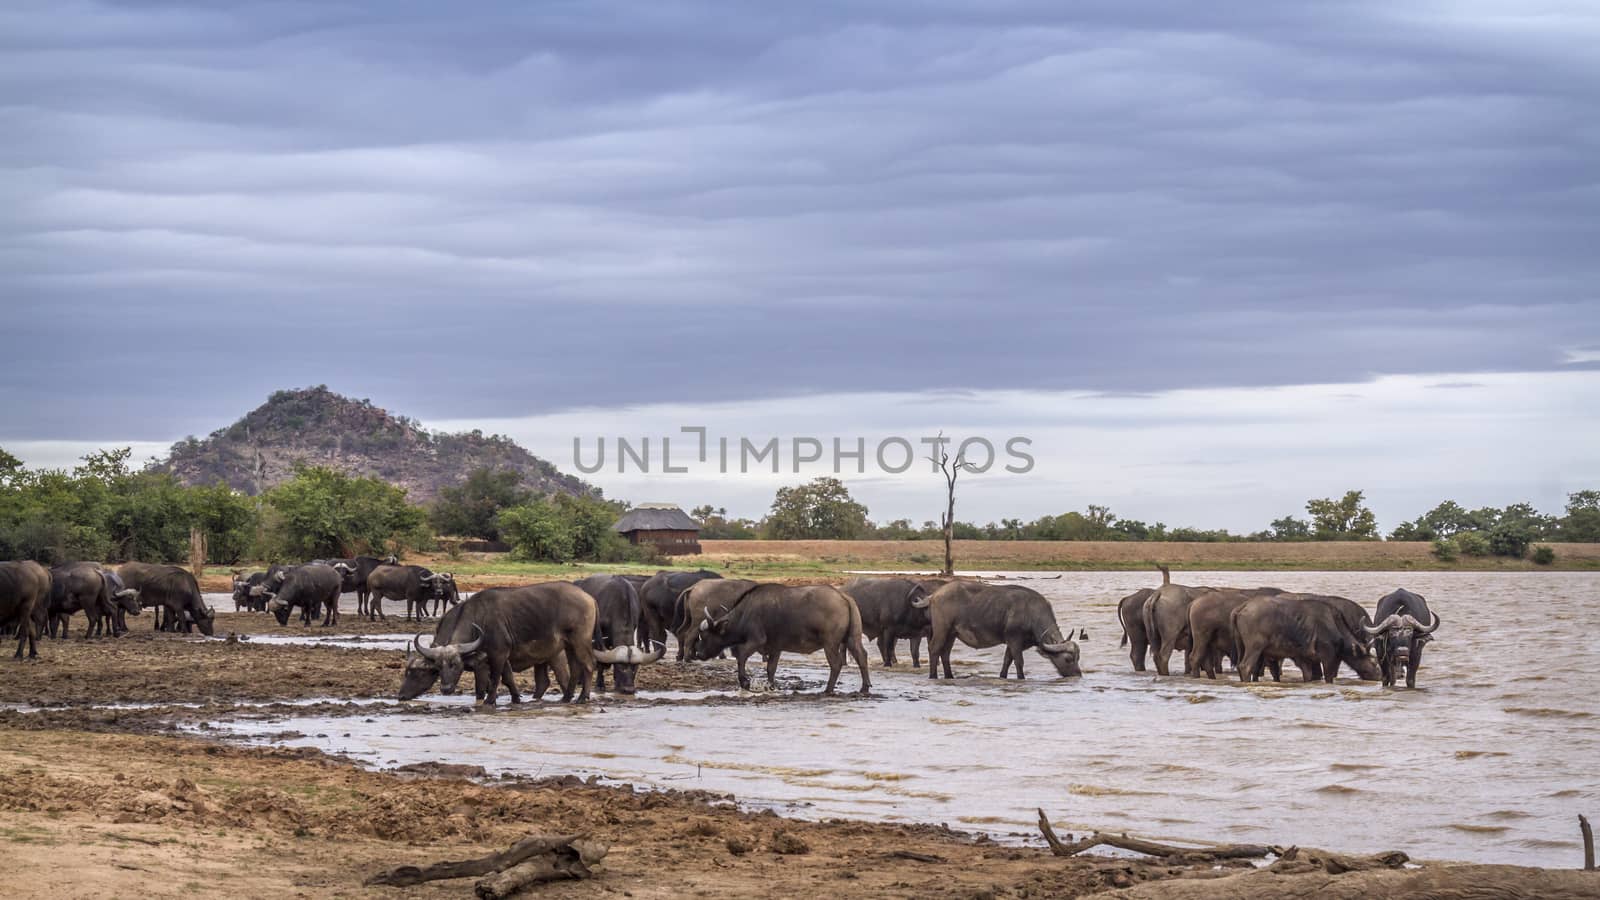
(105, 510)
(824, 510)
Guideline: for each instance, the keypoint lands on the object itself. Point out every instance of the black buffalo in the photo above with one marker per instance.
(99, 595)
(889, 612)
(984, 615)
(1313, 631)
(309, 588)
(504, 630)
(1130, 612)
(416, 585)
(174, 593)
(616, 628)
(716, 594)
(771, 619)
(1404, 626)
(658, 597)
(24, 587)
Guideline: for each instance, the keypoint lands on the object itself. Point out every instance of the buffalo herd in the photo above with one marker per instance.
(1257, 628)
(577, 633)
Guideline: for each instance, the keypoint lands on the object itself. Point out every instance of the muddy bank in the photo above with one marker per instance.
(165, 816)
(148, 667)
(160, 816)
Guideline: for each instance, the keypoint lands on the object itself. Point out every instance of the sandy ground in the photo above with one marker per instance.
(98, 802)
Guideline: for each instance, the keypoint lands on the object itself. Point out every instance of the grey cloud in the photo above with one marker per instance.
(544, 206)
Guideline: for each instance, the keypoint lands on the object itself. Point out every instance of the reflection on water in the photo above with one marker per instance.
(1490, 760)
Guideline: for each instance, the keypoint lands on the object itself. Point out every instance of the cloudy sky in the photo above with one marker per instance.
(1214, 258)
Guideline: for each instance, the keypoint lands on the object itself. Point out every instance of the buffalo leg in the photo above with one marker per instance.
(886, 646)
(860, 654)
(916, 643)
(509, 679)
(1137, 648)
(541, 680)
(1413, 663)
(835, 657)
(772, 671)
(581, 665)
(740, 657)
(1250, 666)
(1015, 651)
(600, 677)
(939, 647)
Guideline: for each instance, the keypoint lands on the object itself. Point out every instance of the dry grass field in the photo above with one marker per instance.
(983, 555)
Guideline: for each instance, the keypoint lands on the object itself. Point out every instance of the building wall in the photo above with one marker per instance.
(672, 542)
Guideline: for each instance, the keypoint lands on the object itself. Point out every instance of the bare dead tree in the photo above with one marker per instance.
(950, 471)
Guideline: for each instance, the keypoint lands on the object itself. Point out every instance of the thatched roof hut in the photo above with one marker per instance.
(664, 525)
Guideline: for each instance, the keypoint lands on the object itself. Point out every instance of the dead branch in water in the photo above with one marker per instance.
(1149, 848)
(534, 858)
(1588, 843)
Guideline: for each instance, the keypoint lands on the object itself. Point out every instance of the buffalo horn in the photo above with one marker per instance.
(472, 645)
(1392, 622)
(428, 653)
(1430, 628)
(1062, 647)
(126, 592)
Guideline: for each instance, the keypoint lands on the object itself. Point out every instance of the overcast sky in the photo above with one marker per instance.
(565, 215)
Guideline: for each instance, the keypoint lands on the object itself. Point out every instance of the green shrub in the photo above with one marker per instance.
(1543, 555)
(1446, 550)
(1510, 539)
(1473, 543)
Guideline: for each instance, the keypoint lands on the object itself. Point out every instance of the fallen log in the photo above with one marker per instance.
(543, 847)
(549, 867)
(1588, 843)
(1148, 848)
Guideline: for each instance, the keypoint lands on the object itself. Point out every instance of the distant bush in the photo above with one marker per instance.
(1510, 539)
(1543, 556)
(1472, 543)
(1446, 550)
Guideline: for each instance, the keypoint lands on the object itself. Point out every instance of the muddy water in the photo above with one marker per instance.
(1489, 761)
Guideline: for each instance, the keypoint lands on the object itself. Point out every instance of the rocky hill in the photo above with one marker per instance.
(322, 428)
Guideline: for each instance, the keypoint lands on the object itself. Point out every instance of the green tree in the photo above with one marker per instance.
(1345, 519)
(1510, 539)
(470, 509)
(1445, 520)
(821, 509)
(1290, 528)
(536, 531)
(1582, 521)
(322, 512)
(229, 520)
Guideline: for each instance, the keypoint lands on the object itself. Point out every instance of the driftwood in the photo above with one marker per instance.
(535, 858)
(1149, 848)
(1588, 843)
(1304, 859)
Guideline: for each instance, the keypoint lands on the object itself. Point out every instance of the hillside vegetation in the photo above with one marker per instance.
(318, 427)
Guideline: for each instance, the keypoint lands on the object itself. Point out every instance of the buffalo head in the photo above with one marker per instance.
(1063, 654)
(128, 599)
(626, 661)
(444, 664)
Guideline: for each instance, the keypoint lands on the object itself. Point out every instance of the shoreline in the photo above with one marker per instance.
(155, 799)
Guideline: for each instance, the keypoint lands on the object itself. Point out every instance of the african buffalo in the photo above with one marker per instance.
(415, 585)
(173, 591)
(24, 586)
(658, 597)
(84, 587)
(691, 604)
(1211, 630)
(503, 630)
(1166, 620)
(311, 588)
(1130, 612)
(1400, 634)
(983, 615)
(773, 618)
(616, 627)
(1314, 633)
(888, 612)
(364, 565)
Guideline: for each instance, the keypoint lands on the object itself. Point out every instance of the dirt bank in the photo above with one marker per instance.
(146, 667)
